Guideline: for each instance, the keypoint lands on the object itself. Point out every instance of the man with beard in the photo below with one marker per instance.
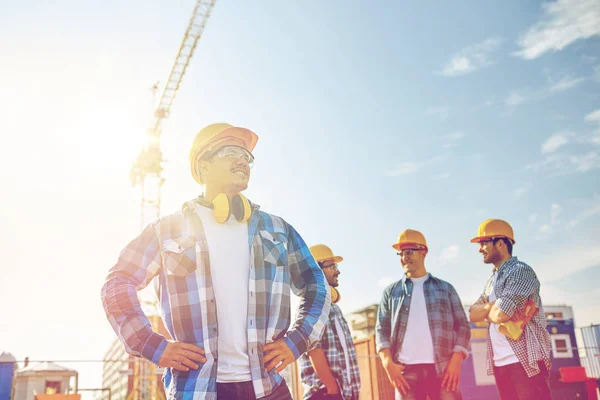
(330, 370)
(422, 331)
(225, 270)
(519, 358)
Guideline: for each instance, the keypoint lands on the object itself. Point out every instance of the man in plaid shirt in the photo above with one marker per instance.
(225, 270)
(330, 369)
(422, 331)
(519, 363)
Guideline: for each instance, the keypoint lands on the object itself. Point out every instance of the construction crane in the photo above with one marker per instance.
(147, 174)
(147, 169)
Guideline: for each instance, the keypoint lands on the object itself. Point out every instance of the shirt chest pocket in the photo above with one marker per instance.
(179, 256)
(274, 245)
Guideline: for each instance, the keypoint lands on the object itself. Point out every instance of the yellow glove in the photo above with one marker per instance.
(514, 327)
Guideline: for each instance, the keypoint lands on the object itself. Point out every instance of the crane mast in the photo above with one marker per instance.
(148, 167)
(146, 173)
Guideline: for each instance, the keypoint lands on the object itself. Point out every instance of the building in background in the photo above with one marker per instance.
(591, 345)
(132, 378)
(8, 366)
(117, 372)
(44, 378)
(567, 378)
(362, 322)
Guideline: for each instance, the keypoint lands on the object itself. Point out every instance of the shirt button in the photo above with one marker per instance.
(409, 295)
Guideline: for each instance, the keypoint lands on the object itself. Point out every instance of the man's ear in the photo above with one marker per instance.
(202, 168)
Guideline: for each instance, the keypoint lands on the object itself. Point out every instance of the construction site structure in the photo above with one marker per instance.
(147, 174)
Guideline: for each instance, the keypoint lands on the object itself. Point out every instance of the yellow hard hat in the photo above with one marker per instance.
(494, 228)
(410, 238)
(323, 253)
(218, 135)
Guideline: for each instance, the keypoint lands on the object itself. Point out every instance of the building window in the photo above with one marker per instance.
(52, 387)
(561, 346)
(554, 315)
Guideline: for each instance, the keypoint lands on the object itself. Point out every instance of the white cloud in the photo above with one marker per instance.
(566, 261)
(584, 215)
(532, 218)
(441, 112)
(565, 83)
(554, 85)
(594, 116)
(386, 281)
(562, 23)
(545, 229)
(561, 164)
(521, 191)
(554, 142)
(514, 99)
(450, 254)
(404, 169)
(455, 135)
(586, 162)
(442, 176)
(555, 211)
(471, 58)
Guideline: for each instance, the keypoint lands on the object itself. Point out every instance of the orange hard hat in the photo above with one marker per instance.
(218, 135)
(323, 253)
(492, 229)
(410, 238)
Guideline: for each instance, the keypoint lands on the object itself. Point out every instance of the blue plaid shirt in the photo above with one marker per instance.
(450, 329)
(515, 284)
(334, 352)
(174, 248)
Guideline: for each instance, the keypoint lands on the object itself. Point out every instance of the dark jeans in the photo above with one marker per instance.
(321, 394)
(423, 382)
(514, 384)
(245, 391)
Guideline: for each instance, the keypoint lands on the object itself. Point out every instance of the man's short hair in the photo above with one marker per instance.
(508, 244)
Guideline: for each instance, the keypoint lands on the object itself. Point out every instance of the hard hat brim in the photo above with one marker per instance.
(402, 246)
(484, 238)
(335, 259)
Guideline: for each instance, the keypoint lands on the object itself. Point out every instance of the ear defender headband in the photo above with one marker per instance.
(223, 207)
(335, 294)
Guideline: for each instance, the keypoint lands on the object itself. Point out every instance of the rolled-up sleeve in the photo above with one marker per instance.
(308, 282)
(138, 263)
(521, 283)
(462, 327)
(383, 329)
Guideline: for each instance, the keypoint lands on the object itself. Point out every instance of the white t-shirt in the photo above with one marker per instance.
(229, 253)
(342, 336)
(417, 347)
(503, 353)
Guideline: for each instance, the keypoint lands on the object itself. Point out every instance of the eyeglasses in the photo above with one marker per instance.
(328, 265)
(236, 152)
(408, 252)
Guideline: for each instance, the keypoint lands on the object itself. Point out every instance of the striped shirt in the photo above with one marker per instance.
(174, 248)
(515, 284)
(346, 374)
(449, 327)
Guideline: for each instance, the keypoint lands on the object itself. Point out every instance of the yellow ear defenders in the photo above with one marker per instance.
(335, 294)
(223, 207)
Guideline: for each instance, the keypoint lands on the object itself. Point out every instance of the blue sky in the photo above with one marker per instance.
(419, 115)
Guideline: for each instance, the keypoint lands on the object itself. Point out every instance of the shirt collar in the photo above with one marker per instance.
(506, 263)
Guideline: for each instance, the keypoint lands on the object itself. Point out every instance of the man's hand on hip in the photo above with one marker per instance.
(277, 355)
(182, 356)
